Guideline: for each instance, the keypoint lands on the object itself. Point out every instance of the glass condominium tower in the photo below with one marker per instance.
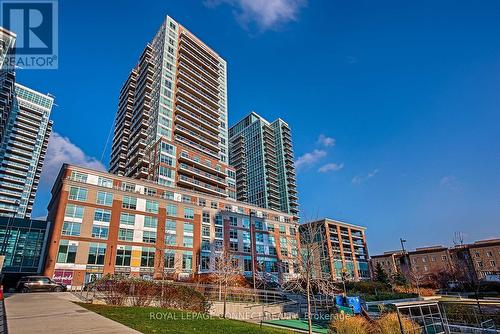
(262, 154)
(171, 123)
(22, 151)
(24, 135)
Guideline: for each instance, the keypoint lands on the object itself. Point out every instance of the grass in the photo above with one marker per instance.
(155, 320)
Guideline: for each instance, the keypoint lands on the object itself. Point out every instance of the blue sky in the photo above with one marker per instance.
(394, 105)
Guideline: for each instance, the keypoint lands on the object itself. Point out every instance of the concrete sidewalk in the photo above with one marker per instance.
(54, 313)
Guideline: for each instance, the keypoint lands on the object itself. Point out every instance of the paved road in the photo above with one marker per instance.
(54, 313)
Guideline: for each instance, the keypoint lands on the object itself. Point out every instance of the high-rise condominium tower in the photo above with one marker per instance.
(22, 150)
(171, 123)
(262, 154)
(24, 134)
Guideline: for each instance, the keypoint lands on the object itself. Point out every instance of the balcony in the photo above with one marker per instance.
(194, 117)
(200, 93)
(203, 131)
(202, 174)
(201, 186)
(207, 88)
(183, 65)
(196, 105)
(197, 137)
(186, 38)
(197, 146)
(184, 157)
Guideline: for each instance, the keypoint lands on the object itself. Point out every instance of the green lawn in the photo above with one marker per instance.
(149, 320)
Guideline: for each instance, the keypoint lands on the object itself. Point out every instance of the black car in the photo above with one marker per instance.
(38, 284)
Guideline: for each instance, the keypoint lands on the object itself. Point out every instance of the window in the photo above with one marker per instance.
(149, 237)
(233, 234)
(247, 264)
(123, 255)
(187, 260)
(74, 211)
(233, 246)
(151, 222)
(169, 259)
(172, 210)
(67, 252)
(186, 199)
(245, 222)
(202, 202)
(444, 258)
(433, 259)
(218, 220)
(205, 262)
(213, 205)
(104, 198)
(71, 228)
(259, 237)
(78, 193)
(205, 245)
(492, 264)
(270, 227)
(99, 231)
(105, 182)
(127, 219)
(188, 228)
(258, 225)
(219, 232)
(170, 233)
(282, 229)
(233, 221)
(96, 253)
(272, 251)
(259, 249)
(129, 202)
(205, 231)
(126, 234)
(101, 215)
(79, 177)
(128, 186)
(206, 217)
(188, 213)
(489, 254)
(480, 264)
(292, 230)
(151, 206)
(148, 257)
(247, 248)
(188, 242)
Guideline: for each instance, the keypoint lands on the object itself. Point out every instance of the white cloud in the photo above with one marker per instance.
(326, 141)
(450, 182)
(265, 13)
(362, 178)
(62, 150)
(331, 167)
(309, 158)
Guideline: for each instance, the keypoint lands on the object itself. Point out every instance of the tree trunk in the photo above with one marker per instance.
(225, 296)
(309, 319)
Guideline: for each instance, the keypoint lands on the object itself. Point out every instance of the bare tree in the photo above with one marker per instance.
(310, 277)
(416, 279)
(225, 272)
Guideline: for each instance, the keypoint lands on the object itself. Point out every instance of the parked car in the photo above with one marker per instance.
(38, 284)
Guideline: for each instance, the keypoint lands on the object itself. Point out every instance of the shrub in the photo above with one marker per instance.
(350, 325)
(183, 298)
(114, 291)
(142, 292)
(389, 324)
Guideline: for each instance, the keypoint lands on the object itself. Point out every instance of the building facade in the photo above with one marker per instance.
(485, 257)
(7, 76)
(391, 262)
(22, 150)
(23, 243)
(262, 154)
(109, 224)
(342, 248)
(171, 123)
